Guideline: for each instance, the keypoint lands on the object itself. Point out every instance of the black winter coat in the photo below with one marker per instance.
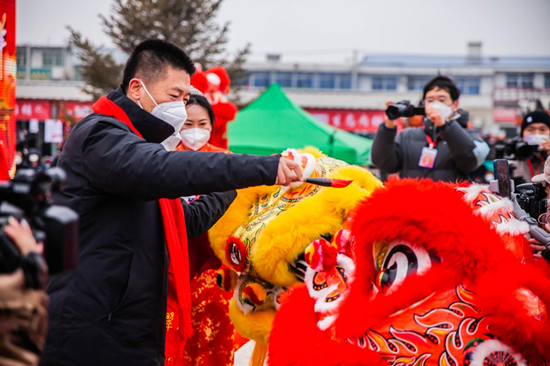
(111, 310)
(459, 152)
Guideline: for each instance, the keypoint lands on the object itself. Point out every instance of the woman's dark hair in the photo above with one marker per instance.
(444, 83)
(195, 99)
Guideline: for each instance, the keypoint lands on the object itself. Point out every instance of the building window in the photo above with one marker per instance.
(304, 80)
(547, 81)
(416, 83)
(78, 73)
(327, 80)
(262, 79)
(344, 81)
(384, 83)
(467, 85)
(21, 55)
(284, 79)
(52, 57)
(524, 81)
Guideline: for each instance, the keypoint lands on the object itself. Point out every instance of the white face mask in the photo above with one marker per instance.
(443, 109)
(536, 139)
(174, 114)
(195, 138)
(18, 160)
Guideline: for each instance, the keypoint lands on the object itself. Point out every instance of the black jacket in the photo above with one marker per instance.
(459, 152)
(111, 310)
(203, 213)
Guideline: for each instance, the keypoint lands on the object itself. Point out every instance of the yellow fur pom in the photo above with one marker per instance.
(227, 278)
(254, 293)
(255, 325)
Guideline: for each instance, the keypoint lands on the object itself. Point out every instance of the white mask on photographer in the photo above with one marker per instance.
(536, 139)
(445, 110)
(174, 114)
(195, 138)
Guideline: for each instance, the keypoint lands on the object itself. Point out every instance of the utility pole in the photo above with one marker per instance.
(355, 70)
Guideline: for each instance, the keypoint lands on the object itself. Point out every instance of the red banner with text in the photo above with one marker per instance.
(8, 69)
(358, 121)
(33, 109)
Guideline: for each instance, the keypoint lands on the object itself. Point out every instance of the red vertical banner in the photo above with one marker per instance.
(8, 69)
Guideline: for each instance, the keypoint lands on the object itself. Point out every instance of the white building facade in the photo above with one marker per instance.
(353, 96)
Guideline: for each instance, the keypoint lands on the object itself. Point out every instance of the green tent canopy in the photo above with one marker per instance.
(273, 123)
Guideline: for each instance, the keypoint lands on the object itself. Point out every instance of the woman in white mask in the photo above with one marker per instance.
(198, 127)
(214, 318)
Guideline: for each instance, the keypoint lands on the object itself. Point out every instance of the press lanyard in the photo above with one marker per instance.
(531, 170)
(431, 143)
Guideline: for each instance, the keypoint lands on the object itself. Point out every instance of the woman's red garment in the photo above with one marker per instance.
(214, 340)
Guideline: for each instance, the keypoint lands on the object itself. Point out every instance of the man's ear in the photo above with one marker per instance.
(455, 105)
(134, 90)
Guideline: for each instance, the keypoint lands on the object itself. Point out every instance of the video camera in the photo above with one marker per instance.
(404, 109)
(28, 196)
(529, 202)
(514, 148)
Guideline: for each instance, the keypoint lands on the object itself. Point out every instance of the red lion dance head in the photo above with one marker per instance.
(439, 274)
(214, 84)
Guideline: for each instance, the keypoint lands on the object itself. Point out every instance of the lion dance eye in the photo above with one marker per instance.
(401, 261)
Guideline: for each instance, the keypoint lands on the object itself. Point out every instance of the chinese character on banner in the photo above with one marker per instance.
(323, 117)
(350, 122)
(364, 121)
(8, 68)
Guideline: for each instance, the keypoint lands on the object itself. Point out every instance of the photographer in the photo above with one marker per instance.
(23, 303)
(442, 149)
(535, 131)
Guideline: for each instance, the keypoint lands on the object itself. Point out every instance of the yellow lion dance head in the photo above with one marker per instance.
(262, 237)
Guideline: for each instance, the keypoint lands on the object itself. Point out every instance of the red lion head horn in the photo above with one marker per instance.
(200, 82)
(223, 82)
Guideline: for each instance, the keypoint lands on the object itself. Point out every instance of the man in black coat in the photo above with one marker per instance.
(111, 310)
(443, 149)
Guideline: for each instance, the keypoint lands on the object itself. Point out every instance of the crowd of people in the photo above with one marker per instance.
(148, 185)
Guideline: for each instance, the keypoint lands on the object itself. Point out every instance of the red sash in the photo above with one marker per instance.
(179, 293)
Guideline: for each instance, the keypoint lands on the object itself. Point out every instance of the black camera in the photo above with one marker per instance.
(529, 202)
(532, 198)
(28, 196)
(514, 148)
(404, 109)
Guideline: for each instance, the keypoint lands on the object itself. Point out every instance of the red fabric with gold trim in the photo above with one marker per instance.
(215, 340)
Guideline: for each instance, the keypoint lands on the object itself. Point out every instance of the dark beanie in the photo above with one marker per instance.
(535, 117)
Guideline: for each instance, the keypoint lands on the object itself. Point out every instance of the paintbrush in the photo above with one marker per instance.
(327, 182)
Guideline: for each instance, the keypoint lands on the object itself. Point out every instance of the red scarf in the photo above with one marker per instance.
(179, 293)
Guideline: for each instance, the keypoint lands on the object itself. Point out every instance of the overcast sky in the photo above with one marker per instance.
(328, 31)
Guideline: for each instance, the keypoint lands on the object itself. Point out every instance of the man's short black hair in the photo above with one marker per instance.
(444, 83)
(150, 58)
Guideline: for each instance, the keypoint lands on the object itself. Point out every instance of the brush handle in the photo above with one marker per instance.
(324, 182)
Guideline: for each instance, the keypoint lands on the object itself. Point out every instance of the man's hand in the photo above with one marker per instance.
(434, 115)
(21, 234)
(389, 123)
(536, 246)
(288, 172)
(545, 146)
